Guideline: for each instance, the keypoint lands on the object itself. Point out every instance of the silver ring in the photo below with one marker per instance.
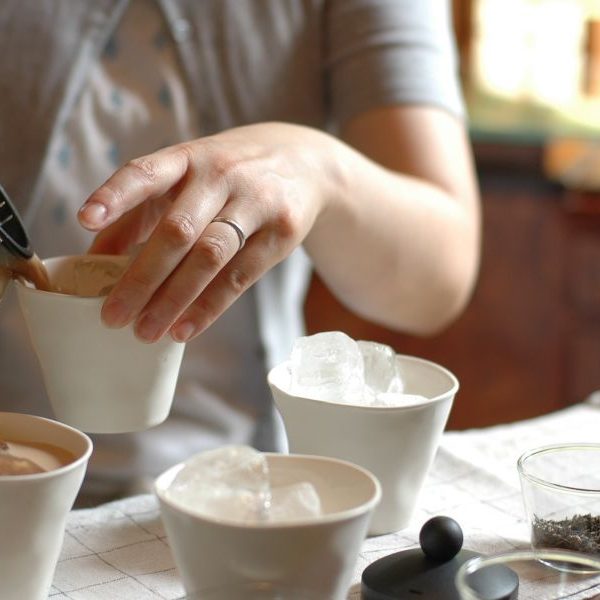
(236, 226)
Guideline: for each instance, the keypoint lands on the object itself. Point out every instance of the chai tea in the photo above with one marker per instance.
(26, 458)
(31, 269)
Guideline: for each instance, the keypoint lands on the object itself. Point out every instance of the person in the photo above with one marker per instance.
(231, 146)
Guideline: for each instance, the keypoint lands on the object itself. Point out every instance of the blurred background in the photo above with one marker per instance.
(529, 342)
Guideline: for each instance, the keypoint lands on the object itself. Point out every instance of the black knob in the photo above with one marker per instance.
(441, 538)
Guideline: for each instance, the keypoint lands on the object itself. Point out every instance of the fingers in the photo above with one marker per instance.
(183, 294)
(189, 267)
(208, 260)
(130, 229)
(173, 237)
(232, 281)
(151, 200)
(139, 180)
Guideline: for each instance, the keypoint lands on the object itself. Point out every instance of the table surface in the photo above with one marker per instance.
(120, 551)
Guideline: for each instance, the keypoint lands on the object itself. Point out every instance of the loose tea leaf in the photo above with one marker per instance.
(580, 533)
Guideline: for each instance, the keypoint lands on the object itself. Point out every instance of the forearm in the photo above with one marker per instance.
(393, 247)
(396, 249)
(408, 261)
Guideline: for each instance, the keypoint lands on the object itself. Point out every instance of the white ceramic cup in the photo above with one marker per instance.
(307, 558)
(397, 445)
(99, 380)
(34, 508)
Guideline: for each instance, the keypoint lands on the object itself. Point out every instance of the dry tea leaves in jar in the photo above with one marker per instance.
(580, 533)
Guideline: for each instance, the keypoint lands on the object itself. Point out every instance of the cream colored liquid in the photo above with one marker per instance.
(33, 270)
(24, 457)
(91, 276)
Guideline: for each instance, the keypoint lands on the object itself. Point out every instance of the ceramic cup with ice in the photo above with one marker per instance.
(364, 403)
(286, 527)
(42, 465)
(99, 380)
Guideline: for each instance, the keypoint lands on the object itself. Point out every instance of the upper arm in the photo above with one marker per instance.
(391, 74)
(420, 141)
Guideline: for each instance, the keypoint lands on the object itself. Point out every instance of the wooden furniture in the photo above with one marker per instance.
(529, 342)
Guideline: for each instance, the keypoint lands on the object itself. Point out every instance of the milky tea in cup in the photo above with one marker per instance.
(98, 379)
(27, 458)
(17, 258)
(42, 466)
(30, 269)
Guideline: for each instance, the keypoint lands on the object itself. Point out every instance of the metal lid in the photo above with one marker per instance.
(13, 236)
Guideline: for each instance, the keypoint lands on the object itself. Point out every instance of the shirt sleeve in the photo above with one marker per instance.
(386, 52)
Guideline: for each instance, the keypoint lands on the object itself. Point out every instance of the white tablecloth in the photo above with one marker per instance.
(118, 551)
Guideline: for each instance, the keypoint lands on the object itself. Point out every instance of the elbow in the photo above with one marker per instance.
(449, 297)
(447, 309)
(453, 282)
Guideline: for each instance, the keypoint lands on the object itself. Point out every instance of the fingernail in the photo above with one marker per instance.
(147, 328)
(93, 213)
(182, 332)
(115, 313)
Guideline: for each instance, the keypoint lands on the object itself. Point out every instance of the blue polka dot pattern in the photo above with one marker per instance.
(164, 96)
(59, 213)
(135, 101)
(111, 51)
(64, 155)
(161, 39)
(116, 98)
(114, 154)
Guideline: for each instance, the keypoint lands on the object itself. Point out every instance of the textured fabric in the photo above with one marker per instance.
(120, 550)
(313, 62)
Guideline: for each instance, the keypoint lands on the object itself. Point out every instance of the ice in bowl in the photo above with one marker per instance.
(233, 484)
(362, 402)
(332, 366)
(287, 524)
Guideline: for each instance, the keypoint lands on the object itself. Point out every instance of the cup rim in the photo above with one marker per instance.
(75, 464)
(544, 556)
(334, 517)
(24, 287)
(550, 448)
(449, 393)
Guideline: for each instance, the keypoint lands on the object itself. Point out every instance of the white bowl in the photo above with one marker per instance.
(311, 557)
(396, 444)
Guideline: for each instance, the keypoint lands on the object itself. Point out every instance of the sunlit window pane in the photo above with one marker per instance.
(530, 49)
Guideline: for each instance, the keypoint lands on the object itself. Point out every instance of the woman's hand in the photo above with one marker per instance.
(389, 215)
(269, 179)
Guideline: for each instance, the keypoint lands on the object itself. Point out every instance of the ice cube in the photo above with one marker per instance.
(380, 367)
(327, 366)
(293, 502)
(229, 483)
(393, 399)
